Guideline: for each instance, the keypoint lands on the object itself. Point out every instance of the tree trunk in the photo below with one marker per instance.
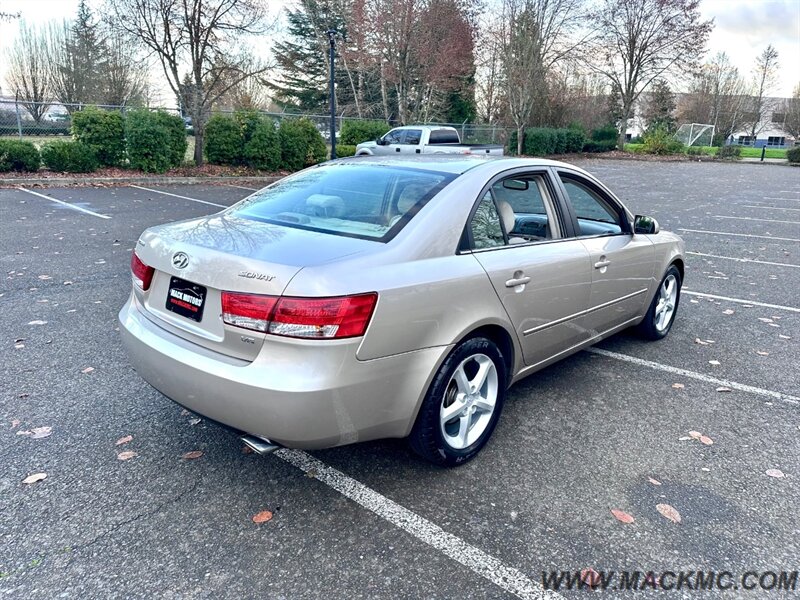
(520, 138)
(199, 141)
(623, 126)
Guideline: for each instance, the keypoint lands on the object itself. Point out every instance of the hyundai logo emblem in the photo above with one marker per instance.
(180, 260)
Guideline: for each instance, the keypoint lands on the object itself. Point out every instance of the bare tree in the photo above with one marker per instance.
(199, 47)
(791, 123)
(125, 77)
(489, 88)
(28, 73)
(534, 35)
(765, 76)
(639, 41)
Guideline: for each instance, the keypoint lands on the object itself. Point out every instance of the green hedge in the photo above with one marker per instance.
(69, 157)
(600, 146)
(344, 150)
(353, 133)
(224, 144)
(156, 141)
(793, 154)
(541, 141)
(244, 138)
(263, 150)
(302, 144)
(104, 131)
(16, 155)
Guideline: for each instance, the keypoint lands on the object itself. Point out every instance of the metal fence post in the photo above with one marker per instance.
(19, 119)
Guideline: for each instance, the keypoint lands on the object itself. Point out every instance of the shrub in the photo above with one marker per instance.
(355, 132)
(175, 130)
(661, 142)
(155, 143)
(262, 149)
(694, 151)
(539, 141)
(729, 152)
(793, 155)
(16, 155)
(70, 157)
(301, 144)
(600, 146)
(104, 131)
(224, 145)
(575, 140)
(606, 133)
(344, 150)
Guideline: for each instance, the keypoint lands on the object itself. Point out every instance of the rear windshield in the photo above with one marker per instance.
(365, 201)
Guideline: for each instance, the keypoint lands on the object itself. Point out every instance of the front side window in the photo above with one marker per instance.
(596, 215)
(395, 136)
(527, 200)
(355, 200)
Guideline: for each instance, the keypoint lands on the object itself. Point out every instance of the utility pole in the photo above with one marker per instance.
(332, 40)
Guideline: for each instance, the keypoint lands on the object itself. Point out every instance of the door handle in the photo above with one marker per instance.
(601, 263)
(511, 283)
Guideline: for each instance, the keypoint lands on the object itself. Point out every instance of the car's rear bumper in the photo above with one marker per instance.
(298, 393)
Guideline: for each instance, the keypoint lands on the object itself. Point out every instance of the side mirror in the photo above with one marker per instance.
(379, 141)
(645, 225)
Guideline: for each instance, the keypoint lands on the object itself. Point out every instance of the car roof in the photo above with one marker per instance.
(455, 164)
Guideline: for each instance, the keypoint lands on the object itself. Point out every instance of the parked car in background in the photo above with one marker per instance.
(424, 139)
(396, 297)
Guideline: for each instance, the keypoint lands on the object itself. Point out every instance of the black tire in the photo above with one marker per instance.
(427, 438)
(649, 328)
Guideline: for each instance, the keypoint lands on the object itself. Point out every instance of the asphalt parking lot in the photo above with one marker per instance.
(371, 520)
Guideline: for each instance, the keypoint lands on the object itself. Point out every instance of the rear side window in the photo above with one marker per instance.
(364, 201)
(443, 136)
(413, 136)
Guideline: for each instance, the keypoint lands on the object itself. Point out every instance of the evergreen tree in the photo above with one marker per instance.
(660, 108)
(87, 47)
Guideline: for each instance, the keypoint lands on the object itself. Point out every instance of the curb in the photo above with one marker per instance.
(103, 181)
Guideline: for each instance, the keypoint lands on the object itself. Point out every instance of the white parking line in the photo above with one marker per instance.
(747, 235)
(788, 398)
(67, 204)
(241, 187)
(770, 207)
(788, 199)
(742, 301)
(507, 578)
(138, 187)
(755, 219)
(744, 260)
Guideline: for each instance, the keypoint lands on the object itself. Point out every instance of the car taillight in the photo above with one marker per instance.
(142, 274)
(249, 311)
(319, 318)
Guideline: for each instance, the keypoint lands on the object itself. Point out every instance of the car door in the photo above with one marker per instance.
(392, 142)
(543, 281)
(412, 141)
(622, 263)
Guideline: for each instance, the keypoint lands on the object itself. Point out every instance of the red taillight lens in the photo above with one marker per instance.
(325, 318)
(142, 274)
(249, 311)
(342, 317)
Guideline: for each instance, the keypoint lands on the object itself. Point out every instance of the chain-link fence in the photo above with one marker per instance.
(41, 121)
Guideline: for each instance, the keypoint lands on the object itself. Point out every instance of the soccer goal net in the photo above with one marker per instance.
(695, 134)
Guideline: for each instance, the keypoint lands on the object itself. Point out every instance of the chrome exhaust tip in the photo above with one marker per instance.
(258, 445)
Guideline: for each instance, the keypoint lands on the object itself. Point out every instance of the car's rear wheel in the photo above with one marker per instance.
(661, 314)
(462, 405)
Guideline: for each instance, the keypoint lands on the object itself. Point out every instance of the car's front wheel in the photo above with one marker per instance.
(661, 314)
(462, 405)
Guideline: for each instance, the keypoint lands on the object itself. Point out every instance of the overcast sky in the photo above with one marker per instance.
(743, 29)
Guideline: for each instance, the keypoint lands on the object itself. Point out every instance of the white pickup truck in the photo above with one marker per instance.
(423, 139)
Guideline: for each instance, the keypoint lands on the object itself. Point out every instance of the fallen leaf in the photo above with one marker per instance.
(728, 311)
(127, 455)
(184, 412)
(715, 363)
(701, 342)
(590, 577)
(37, 322)
(195, 421)
(193, 454)
(762, 353)
(723, 389)
(44, 277)
(88, 370)
(38, 433)
(34, 478)
(777, 473)
(123, 440)
(765, 320)
(678, 386)
(684, 438)
(14, 423)
(669, 512)
(704, 439)
(262, 517)
(19, 346)
(695, 435)
(622, 516)
(784, 337)
(653, 481)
